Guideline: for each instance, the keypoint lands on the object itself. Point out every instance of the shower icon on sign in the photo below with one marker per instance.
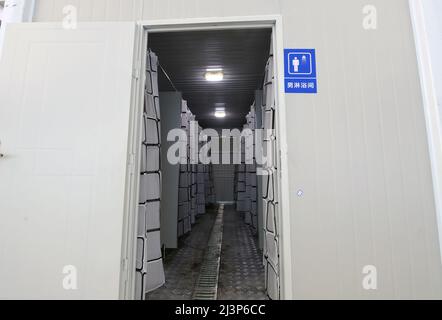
(301, 63)
(296, 64)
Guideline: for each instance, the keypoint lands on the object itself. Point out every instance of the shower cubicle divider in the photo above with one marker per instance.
(149, 264)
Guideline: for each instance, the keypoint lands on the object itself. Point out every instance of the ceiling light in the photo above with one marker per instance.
(220, 110)
(214, 74)
(220, 114)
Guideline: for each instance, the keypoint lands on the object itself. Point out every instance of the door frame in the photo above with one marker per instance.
(130, 221)
(240, 22)
(431, 109)
(25, 16)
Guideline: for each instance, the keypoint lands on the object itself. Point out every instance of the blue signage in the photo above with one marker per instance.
(300, 71)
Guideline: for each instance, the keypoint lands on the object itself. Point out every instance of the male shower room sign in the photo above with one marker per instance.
(300, 71)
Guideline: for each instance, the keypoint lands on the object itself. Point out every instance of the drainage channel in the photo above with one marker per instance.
(206, 287)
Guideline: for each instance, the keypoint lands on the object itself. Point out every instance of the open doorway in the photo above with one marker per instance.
(123, 137)
(213, 82)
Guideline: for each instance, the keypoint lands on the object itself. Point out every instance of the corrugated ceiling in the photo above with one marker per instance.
(186, 55)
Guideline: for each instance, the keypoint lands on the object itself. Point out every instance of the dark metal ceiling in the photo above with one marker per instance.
(185, 56)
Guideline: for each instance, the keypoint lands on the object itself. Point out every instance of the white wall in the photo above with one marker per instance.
(358, 149)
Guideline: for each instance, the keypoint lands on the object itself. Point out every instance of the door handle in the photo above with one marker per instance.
(1, 154)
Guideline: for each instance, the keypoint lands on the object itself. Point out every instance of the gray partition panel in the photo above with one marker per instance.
(170, 103)
(149, 261)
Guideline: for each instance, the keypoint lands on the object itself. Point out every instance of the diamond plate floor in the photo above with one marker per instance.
(182, 266)
(242, 271)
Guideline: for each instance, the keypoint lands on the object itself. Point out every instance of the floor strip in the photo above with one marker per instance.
(207, 285)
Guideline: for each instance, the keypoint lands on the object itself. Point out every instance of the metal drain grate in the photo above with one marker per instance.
(207, 285)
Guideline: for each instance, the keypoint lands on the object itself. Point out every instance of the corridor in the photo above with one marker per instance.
(241, 275)
(182, 265)
(242, 271)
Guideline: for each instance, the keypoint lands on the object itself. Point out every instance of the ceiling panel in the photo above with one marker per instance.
(185, 56)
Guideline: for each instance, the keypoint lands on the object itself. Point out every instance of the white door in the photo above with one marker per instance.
(65, 99)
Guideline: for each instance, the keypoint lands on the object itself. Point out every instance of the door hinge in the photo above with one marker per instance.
(279, 163)
(124, 268)
(131, 163)
(125, 263)
(136, 73)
